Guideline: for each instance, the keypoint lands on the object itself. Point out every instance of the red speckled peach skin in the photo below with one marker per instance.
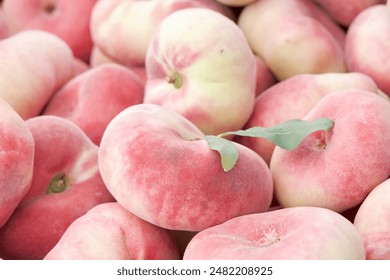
(355, 159)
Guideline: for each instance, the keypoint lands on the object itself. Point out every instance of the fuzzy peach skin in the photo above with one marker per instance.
(110, 232)
(294, 38)
(336, 169)
(345, 11)
(93, 98)
(68, 19)
(368, 45)
(373, 222)
(66, 183)
(304, 91)
(16, 160)
(122, 29)
(157, 165)
(300, 233)
(34, 65)
(208, 76)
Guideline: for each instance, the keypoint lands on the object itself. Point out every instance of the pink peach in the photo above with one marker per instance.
(68, 19)
(373, 222)
(367, 45)
(34, 65)
(94, 97)
(336, 169)
(304, 91)
(157, 165)
(345, 11)
(66, 183)
(16, 160)
(299, 233)
(208, 76)
(123, 29)
(110, 232)
(294, 38)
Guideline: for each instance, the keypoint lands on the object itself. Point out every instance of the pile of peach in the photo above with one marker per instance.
(106, 105)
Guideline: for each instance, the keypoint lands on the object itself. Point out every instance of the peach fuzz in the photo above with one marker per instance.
(68, 19)
(373, 222)
(66, 183)
(300, 233)
(110, 232)
(294, 38)
(157, 165)
(34, 65)
(208, 76)
(336, 169)
(367, 45)
(345, 11)
(304, 91)
(16, 160)
(123, 29)
(94, 97)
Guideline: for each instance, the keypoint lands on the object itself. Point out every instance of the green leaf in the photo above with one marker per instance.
(227, 150)
(287, 135)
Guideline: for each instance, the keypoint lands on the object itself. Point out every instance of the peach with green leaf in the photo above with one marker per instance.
(158, 166)
(273, 106)
(162, 168)
(337, 168)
